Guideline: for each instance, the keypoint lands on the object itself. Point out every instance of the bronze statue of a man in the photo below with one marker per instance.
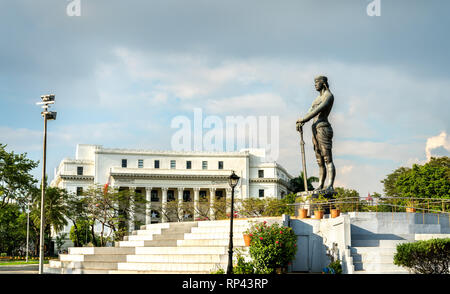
(322, 132)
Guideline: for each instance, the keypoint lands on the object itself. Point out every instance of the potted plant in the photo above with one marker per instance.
(248, 234)
(301, 211)
(336, 211)
(247, 238)
(410, 206)
(319, 203)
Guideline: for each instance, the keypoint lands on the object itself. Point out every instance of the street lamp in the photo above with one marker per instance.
(232, 181)
(48, 115)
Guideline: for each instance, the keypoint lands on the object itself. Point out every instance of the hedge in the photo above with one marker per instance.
(424, 257)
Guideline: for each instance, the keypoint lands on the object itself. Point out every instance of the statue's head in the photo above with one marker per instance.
(321, 82)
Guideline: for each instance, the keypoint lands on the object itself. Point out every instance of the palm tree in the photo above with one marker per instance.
(297, 184)
(55, 208)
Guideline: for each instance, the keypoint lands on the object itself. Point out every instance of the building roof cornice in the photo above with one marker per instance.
(170, 152)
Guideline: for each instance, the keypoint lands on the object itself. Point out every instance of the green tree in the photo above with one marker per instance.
(12, 229)
(349, 199)
(111, 209)
(16, 182)
(55, 211)
(298, 184)
(430, 181)
(77, 214)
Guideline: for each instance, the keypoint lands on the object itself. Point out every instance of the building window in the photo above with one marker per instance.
(80, 170)
(202, 195)
(188, 164)
(154, 196)
(204, 165)
(261, 173)
(186, 195)
(170, 195)
(124, 163)
(173, 164)
(219, 194)
(140, 163)
(156, 163)
(220, 164)
(79, 191)
(261, 192)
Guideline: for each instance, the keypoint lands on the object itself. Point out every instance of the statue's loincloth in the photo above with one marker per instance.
(322, 137)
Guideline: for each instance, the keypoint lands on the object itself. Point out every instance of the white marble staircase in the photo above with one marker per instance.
(374, 254)
(165, 248)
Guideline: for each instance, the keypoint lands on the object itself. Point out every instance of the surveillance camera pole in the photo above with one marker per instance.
(47, 100)
(41, 235)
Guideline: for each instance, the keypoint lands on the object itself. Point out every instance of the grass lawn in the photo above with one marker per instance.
(34, 261)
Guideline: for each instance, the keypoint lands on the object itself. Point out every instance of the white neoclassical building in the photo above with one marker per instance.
(163, 176)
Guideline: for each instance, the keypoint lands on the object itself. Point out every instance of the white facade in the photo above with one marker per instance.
(179, 174)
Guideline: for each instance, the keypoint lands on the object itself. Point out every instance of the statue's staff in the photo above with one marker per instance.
(302, 144)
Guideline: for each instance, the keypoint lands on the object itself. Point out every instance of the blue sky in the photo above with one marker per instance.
(124, 69)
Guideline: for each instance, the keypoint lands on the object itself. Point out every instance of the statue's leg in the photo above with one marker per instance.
(320, 160)
(322, 170)
(331, 171)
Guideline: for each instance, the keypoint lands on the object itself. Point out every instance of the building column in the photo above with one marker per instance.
(180, 204)
(164, 204)
(228, 197)
(196, 202)
(132, 209)
(212, 200)
(148, 205)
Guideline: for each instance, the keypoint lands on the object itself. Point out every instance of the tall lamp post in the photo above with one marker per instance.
(48, 115)
(233, 181)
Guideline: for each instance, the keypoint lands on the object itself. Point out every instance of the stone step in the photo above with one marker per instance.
(375, 250)
(93, 257)
(207, 236)
(378, 267)
(364, 272)
(144, 243)
(377, 243)
(170, 236)
(210, 242)
(223, 223)
(162, 267)
(149, 232)
(125, 272)
(178, 258)
(91, 265)
(50, 270)
(138, 238)
(101, 250)
(236, 229)
(155, 226)
(376, 258)
(181, 250)
(409, 237)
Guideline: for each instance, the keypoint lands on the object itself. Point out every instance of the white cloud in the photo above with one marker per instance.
(441, 140)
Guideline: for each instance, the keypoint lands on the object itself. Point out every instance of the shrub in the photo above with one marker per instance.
(244, 267)
(220, 271)
(271, 247)
(334, 267)
(425, 257)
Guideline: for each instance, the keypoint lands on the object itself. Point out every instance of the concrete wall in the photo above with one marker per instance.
(399, 223)
(316, 237)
